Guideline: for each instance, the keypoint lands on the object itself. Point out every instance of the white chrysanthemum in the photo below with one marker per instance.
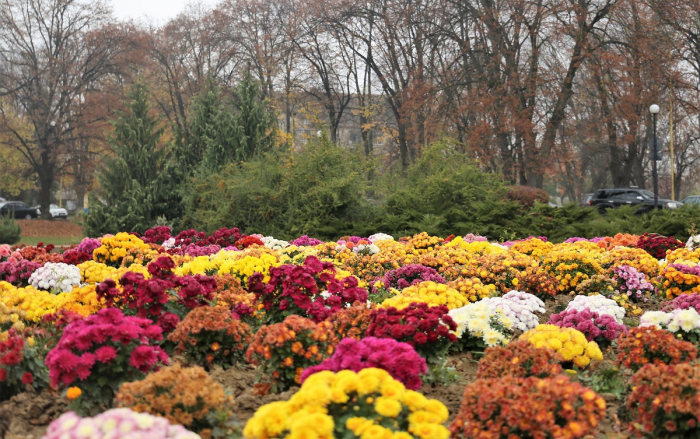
(493, 338)
(519, 307)
(526, 300)
(478, 319)
(273, 243)
(366, 249)
(169, 243)
(57, 277)
(693, 241)
(477, 326)
(659, 319)
(686, 320)
(599, 304)
(380, 237)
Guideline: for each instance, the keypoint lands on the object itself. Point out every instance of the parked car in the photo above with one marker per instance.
(56, 211)
(586, 200)
(19, 209)
(612, 198)
(693, 199)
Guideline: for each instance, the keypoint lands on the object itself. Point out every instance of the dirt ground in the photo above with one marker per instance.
(32, 412)
(53, 228)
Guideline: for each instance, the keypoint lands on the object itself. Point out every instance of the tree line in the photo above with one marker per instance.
(546, 93)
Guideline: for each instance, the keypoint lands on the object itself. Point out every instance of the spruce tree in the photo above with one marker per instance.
(208, 128)
(241, 129)
(135, 185)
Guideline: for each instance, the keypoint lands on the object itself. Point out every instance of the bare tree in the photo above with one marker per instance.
(53, 53)
(188, 50)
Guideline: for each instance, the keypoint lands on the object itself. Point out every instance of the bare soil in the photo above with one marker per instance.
(53, 228)
(32, 412)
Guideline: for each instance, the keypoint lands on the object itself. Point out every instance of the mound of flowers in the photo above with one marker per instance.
(148, 297)
(114, 422)
(406, 276)
(649, 344)
(283, 350)
(429, 329)
(299, 290)
(431, 293)
(102, 351)
(568, 342)
(603, 329)
(399, 359)
(663, 400)
(480, 325)
(527, 407)
(211, 335)
(519, 359)
(183, 395)
(369, 403)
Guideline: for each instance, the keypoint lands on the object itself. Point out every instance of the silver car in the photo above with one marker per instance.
(693, 199)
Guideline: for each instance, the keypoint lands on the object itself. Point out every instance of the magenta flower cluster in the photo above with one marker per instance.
(404, 277)
(686, 269)
(578, 239)
(353, 239)
(632, 282)
(195, 250)
(87, 245)
(686, 301)
(18, 273)
(298, 289)
(398, 358)
(223, 237)
(601, 328)
(147, 297)
(305, 240)
(108, 339)
(113, 424)
(470, 237)
(157, 235)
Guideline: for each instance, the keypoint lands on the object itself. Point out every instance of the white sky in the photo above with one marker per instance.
(155, 11)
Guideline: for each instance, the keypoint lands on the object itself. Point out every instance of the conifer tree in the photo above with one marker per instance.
(242, 129)
(135, 185)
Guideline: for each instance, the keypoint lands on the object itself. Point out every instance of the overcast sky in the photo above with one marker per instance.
(156, 11)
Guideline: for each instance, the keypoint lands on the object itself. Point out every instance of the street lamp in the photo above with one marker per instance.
(654, 109)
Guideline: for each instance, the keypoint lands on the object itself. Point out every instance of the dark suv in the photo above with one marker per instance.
(612, 198)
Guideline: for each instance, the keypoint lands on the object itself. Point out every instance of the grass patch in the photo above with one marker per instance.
(55, 240)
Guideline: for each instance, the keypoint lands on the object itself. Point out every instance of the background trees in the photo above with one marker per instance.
(53, 53)
(546, 93)
(136, 185)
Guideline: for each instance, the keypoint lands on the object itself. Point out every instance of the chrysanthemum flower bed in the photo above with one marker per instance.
(355, 332)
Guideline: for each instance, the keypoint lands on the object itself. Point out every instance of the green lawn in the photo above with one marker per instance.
(55, 240)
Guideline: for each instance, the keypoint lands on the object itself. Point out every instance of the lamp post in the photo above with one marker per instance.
(654, 109)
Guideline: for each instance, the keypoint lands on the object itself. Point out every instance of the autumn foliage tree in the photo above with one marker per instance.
(53, 53)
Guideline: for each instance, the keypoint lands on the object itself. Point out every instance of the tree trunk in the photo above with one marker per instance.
(46, 182)
(403, 145)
